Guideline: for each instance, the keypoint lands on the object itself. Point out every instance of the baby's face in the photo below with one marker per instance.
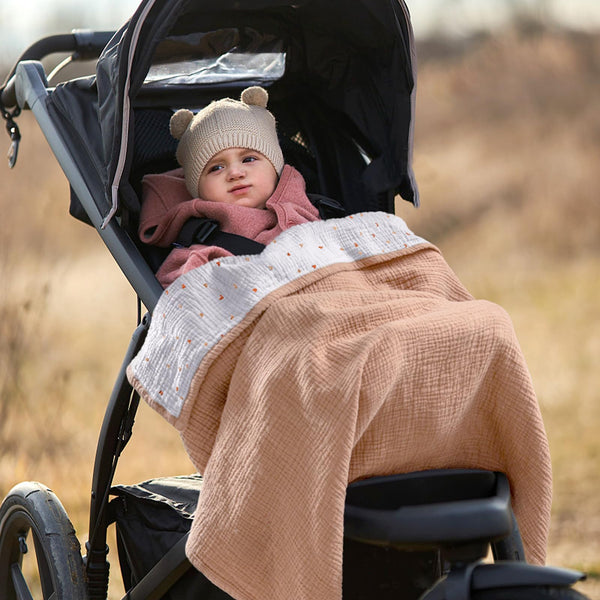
(238, 176)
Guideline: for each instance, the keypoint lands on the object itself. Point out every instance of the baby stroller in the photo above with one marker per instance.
(407, 536)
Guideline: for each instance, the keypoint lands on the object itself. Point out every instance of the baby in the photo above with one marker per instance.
(233, 171)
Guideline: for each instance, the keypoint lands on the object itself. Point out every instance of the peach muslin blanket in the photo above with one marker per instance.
(347, 348)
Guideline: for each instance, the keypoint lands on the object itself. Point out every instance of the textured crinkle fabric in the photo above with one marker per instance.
(347, 349)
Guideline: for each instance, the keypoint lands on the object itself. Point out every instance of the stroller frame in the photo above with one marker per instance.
(457, 513)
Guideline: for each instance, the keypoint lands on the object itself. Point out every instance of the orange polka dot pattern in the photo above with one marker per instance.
(204, 305)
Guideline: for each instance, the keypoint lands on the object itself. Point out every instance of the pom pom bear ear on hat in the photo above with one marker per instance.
(256, 96)
(179, 122)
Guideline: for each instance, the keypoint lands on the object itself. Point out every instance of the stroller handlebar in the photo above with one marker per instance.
(83, 44)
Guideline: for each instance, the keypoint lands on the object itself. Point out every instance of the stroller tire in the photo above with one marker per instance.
(33, 521)
(529, 593)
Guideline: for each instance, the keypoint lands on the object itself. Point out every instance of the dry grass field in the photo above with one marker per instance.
(507, 153)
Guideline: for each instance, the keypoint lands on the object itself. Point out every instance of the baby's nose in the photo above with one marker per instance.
(236, 171)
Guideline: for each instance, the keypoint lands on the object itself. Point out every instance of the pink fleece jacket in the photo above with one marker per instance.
(167, 205)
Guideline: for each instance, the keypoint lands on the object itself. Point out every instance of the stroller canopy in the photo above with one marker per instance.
(351, 62)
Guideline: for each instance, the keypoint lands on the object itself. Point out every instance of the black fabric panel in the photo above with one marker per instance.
(74, 110)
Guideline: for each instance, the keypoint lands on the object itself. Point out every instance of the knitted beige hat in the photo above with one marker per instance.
(225, 124)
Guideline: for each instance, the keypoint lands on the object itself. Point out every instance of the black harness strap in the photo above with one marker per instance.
(198, 230)
(201, 230)
(328, 207)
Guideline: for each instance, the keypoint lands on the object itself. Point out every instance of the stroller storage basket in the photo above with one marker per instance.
(153, 516)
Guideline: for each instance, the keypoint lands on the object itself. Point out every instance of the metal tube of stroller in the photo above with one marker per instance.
(171, 567)
(32, 92)
(113, 438)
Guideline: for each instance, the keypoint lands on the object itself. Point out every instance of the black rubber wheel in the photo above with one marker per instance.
(33, 521)
(529, 593)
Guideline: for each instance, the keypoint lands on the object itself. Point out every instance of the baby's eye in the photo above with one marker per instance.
(250, 158)
(214, 168)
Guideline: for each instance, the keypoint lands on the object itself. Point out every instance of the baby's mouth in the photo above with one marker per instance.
(238, 189)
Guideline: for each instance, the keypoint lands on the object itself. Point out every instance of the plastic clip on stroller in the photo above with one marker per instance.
(11, 127)
(406, 536)
(15, 138)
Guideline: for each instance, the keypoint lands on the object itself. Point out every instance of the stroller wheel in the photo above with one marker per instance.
(530, 593)
(39, 552)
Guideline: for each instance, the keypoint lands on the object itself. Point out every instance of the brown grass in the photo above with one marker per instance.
(507, 148)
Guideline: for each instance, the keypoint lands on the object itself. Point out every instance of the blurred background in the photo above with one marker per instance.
(507, 149)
